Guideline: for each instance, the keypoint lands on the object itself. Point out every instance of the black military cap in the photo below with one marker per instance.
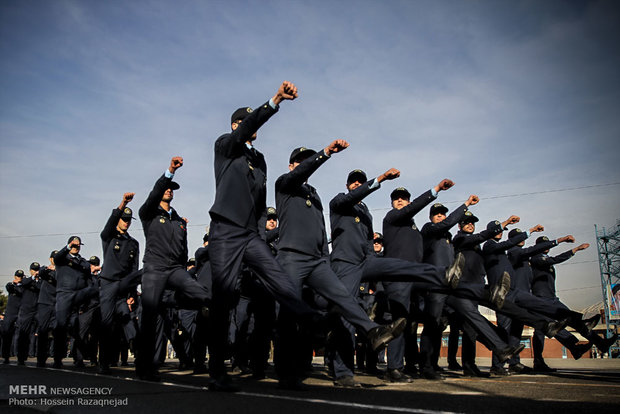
(468, 217)
(240, 114)
(514, 232)
(205, 238)
(174, 185)
(75, 237)
(492, 224)
(300, 154)
(94, 260)
(53, 253)
(357, 175)
(400, 192)
(35, 266)
(127, 214)
(542, 239)
(191, 262)
(19, 273)
(438, 208)
(271, 212)
(378, 238)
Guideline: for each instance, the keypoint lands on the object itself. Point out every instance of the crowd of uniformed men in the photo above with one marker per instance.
(267, 276)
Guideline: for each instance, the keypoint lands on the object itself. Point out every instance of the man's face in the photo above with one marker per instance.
(498, 236)
(377, 245)
(17, 279)
(168, 195)
(438, 218)
(352, 186)
(271, 224)
(292, 166)
(467, 227)
(400, 202)
(123, 225)
(75, 249)
(33, 272)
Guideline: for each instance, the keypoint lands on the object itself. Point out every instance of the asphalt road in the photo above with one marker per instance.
(588, 386)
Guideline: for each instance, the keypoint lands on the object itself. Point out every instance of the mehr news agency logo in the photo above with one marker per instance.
(42, 395)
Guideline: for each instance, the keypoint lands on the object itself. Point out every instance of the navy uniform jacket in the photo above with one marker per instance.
(14, 300)
(241, 174)
(520, 259)
(544, 273)
(272, 237)
(47, 294)
(72, 272)
(351, 224)
(496, 261)
(30, 295)
(302, 226)
(401, 237)
(120, 251)
(166, 234)
(469, 245)
(203, 268)
(438, 248)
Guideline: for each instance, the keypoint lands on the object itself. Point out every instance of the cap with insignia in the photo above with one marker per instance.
(127, 214)
(438, 208)
(94, 260)
(400, 192)
(191, 262)
(357, 175)
(514, 232)
(492, 225)
(542, 239)
(53, 253)
(272, 213)
(75, 237)
(240, 114)
(300, 154)
(19, 273)
(35, 266)
(468, 217)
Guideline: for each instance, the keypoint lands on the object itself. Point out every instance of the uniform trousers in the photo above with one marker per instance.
(46, 320)
(154, 281)
(316, 273)
(413, 275)
(229, 247)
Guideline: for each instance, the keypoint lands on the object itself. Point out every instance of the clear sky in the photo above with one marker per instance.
(511, 100)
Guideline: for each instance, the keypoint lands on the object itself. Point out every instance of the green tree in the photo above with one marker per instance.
(3, 299)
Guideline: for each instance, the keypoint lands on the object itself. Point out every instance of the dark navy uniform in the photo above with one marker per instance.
(303, 253)
(438, 251)
(403, 240)
(164, 260)
(474, 323)
(120, 258)
(15, 291)
(240, 201)
(544, 287)
(354, 261)
(26, 319)
(72, 275)
(46, 312)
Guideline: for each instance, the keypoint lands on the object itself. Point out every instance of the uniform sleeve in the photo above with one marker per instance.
(449, 222)
(406, 213)
(109, 230)
(491, 247)
(230, 144)
(150, 207)
(343, 202)
(294, 179)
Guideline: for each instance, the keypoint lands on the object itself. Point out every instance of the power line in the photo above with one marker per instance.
(374, 209)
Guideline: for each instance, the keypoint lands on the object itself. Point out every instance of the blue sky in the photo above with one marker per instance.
(505, 98)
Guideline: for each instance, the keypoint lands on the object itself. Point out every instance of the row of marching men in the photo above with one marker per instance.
(315, 289)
